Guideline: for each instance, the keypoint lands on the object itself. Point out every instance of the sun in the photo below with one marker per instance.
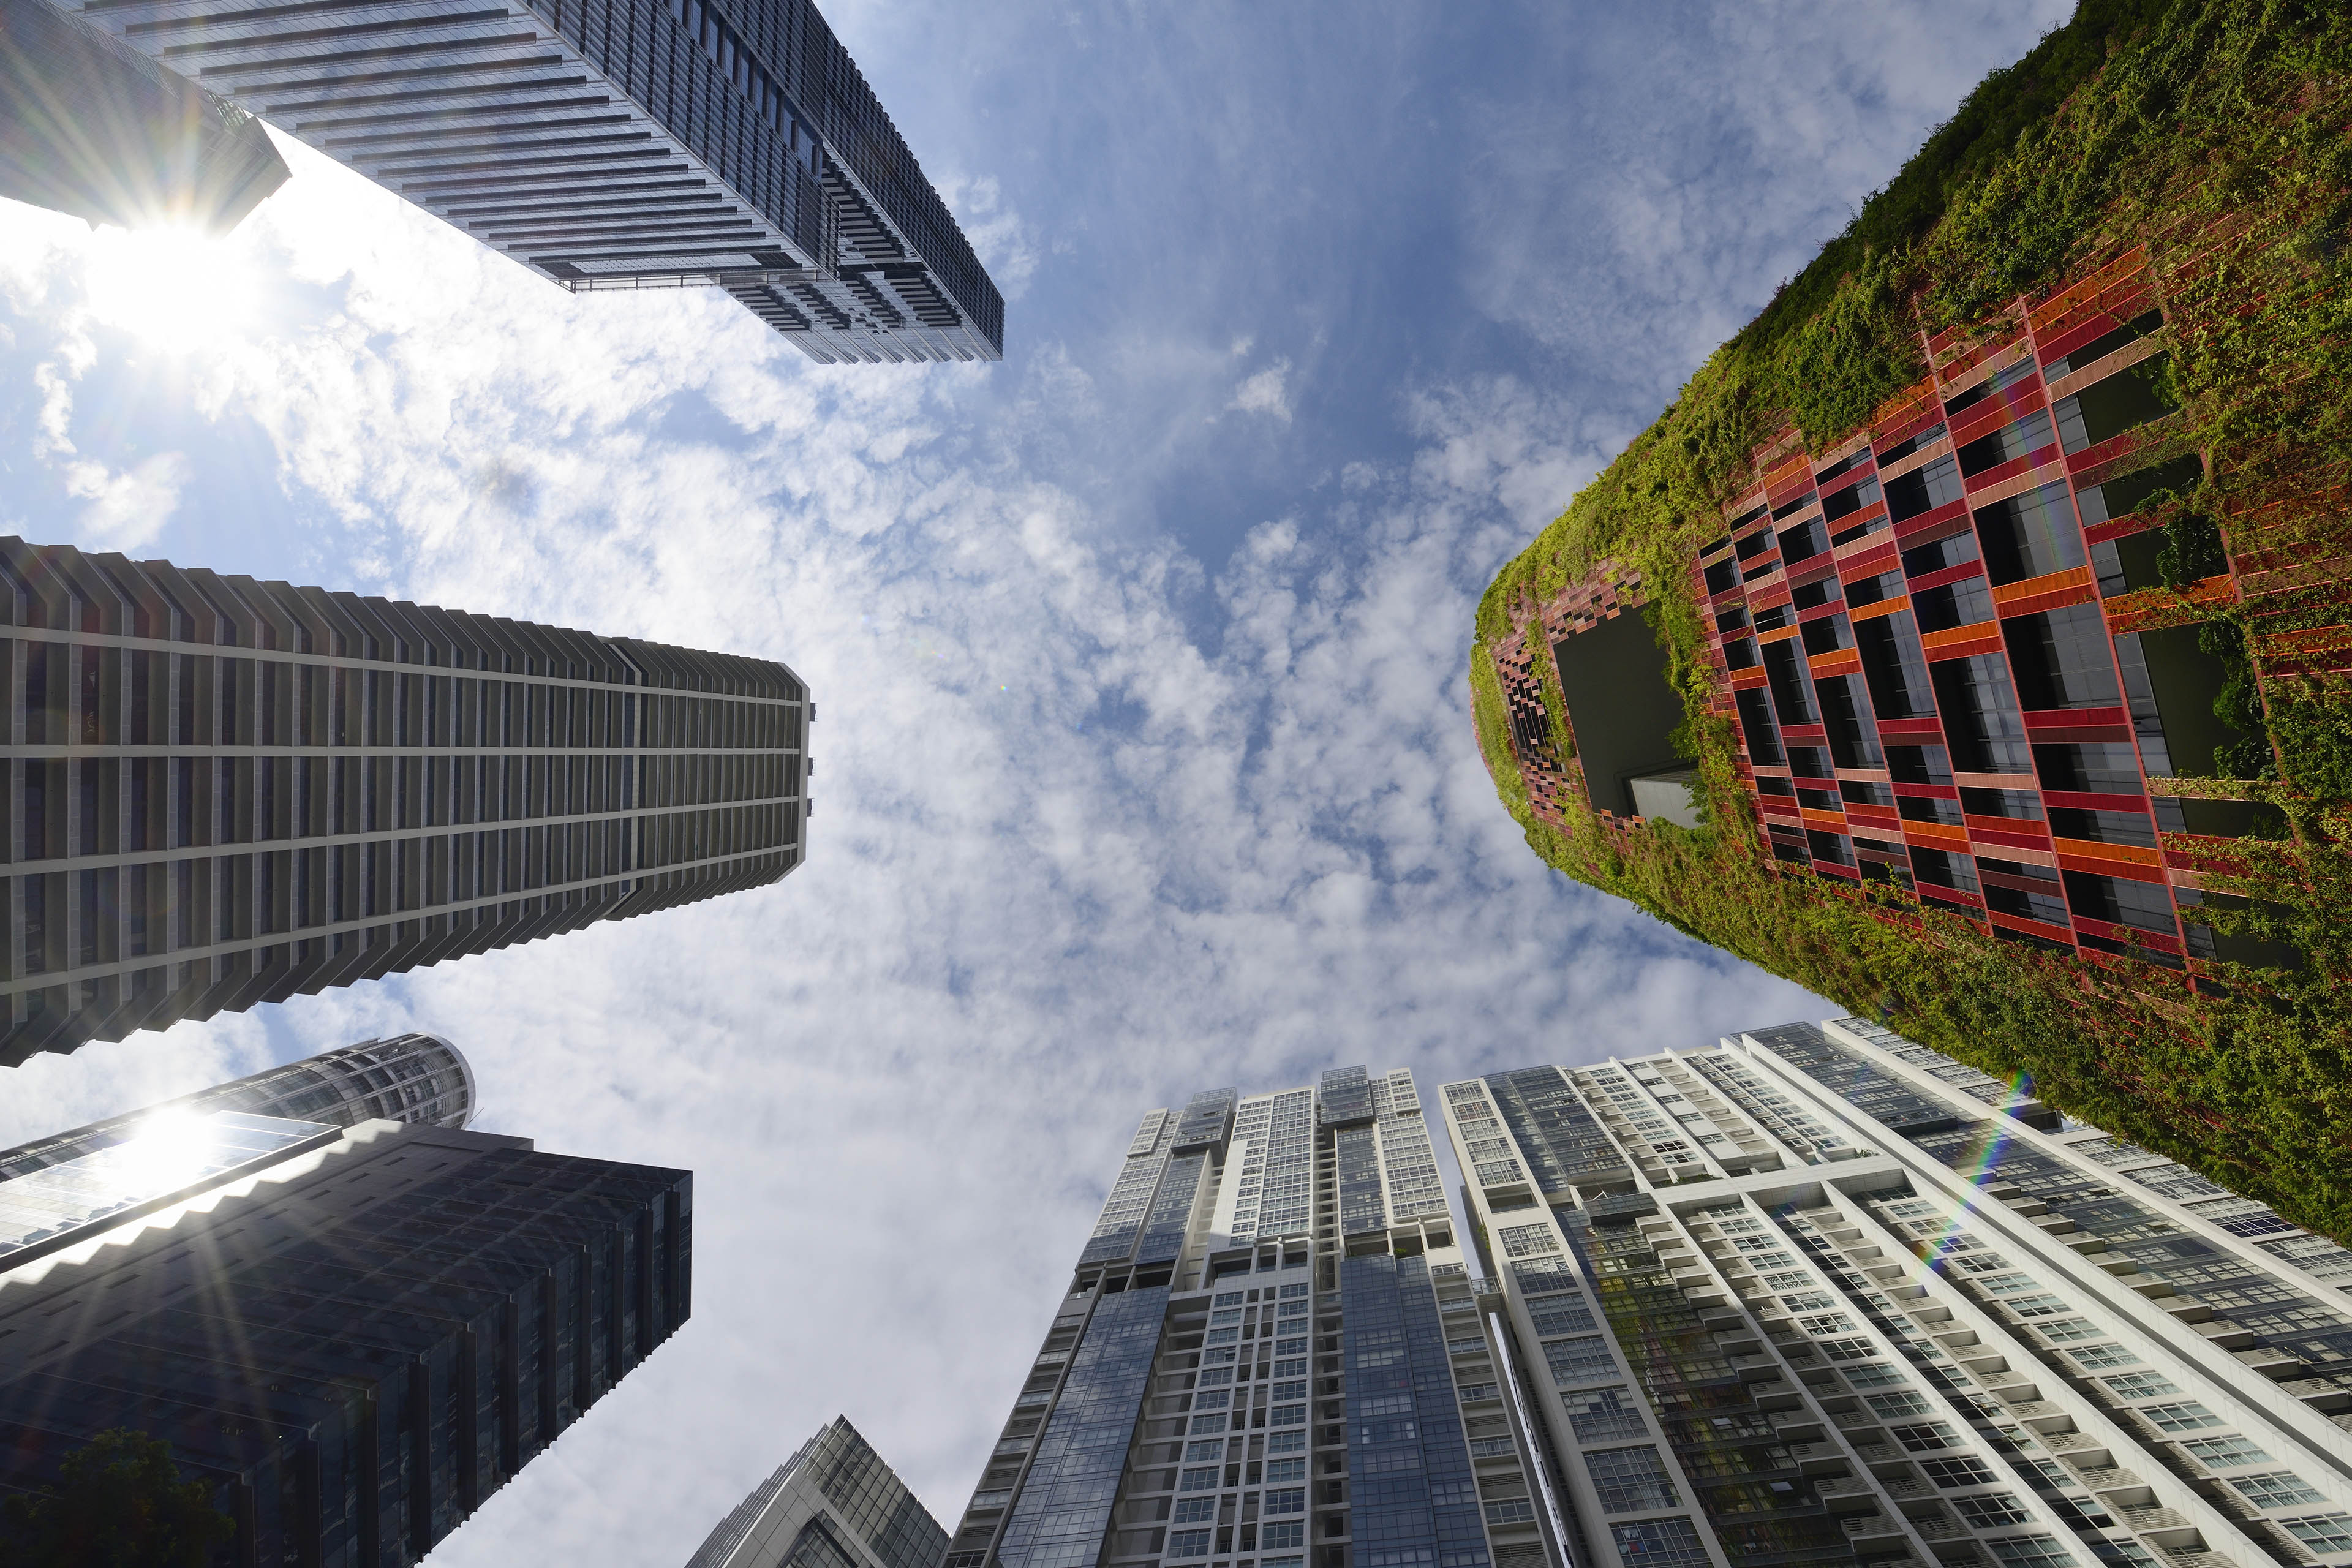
(175, 287)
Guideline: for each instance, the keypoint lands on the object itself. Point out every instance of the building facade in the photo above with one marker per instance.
(1269, 1352)
(620, 145)
(352, 1335)
(833, 1504)
(1818, 1295)
(420, 1080)
(223, 791)
(1948, 653)
(91, 126)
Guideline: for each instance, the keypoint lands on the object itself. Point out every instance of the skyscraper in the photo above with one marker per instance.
(834, 1504)
(620, 145)
(1270, 1347)
(415, 1078)
(350, 1335)
(1819, 1295)
(225, 792)
(90, 126)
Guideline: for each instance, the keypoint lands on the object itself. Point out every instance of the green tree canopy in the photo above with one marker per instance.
(120, 1504)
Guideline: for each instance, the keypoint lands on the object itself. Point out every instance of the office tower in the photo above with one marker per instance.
(418, 1078)
(615, 145)
(1818, 1296)
(225, 792)
(834, 1504)
(352, 1335)
(91, 126)
(1269, 1348)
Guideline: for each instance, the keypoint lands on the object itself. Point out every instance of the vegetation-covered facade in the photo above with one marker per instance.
(1993, 580)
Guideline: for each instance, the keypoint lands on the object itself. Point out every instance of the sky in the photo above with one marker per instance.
(1144, 755)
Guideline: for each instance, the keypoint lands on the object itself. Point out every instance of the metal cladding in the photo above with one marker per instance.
(420, 1080)
(834, 1504)
(223, 792)
(95, 128)
(617, 144)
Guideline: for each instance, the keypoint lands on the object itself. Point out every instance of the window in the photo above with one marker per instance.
(2072, 1330)
(1292, 1292)
(1291, 1499)
(1285, 1443)
(1200, 1451)
(1578, 1360)
(2187, 1415)
(1512, 1511)
(1229, 1299)
(1659, 1543)
(1290, 1347)
(2275, 1489)
(1849, 1349)
(1290, 1368)
(1959, 1470)
(1196, 1511)
(1212, 1401)
(1826, 1323)
(1288, 1416)
(1562, 1317)
(1280, 1535)
(1519, 1240)
(2140, 1385)
(1230, 1315)
(2030, 1551)
(1294, 1309)
(2226, 1452)
(1806, 1301)
(1201, 1480)
(1992, 1511)
(1895, 1407)
(1280, 1470)
(1189, 1543)
(1874, 1375)
(2098, 1358)
(1601, 1413)
(2322, 1532)
(1208, 1424)
(1924, 1437)
(1630, 1479)
(1222, 1336)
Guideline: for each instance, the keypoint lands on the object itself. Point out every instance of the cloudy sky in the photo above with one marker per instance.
(1145, 755)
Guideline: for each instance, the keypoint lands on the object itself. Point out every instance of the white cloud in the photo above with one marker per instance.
(1263, 393)
(127, 511)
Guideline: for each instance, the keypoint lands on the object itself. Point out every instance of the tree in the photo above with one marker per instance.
(120, 1503)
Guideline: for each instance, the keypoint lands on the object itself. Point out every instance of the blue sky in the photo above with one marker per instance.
(1144, 759)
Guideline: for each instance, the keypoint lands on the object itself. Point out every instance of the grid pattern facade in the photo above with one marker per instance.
(1940, 657)
(223, 791)
(1270, 1355)
(833, 1504)
(618, 143)
(91, 127)
(403, 1321)
(415, 1078)
(1879, 1307)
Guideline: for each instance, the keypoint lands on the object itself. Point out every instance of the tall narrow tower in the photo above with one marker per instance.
(617, 144)
(834, 1504)
(1819, 1296)
(420, 1080)
(1271, 1348)
(223, 792)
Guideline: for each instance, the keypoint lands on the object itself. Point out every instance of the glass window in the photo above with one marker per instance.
(1659, 1543)
(1208, 1424)
(2322, 1532)
(1991, 1510)
(1290, 1292)
(2187, 1415)
(1282, 1534)
(1578, 1360)
(2277, 1488)
(1600, 1414)
(1631, 1479)
(1924, 1437)
(1278, 1470)
(1201, 1480)
(1189, 1543)
(1285, 1442)
(2098, 1358)
(1894, 1406)
(2140, 1385)
(1292, 1499)
(1959, 1471)
(1230, 1315)
(2030, 1551)
(1200, 1451)
(2226, 1452)
(1196, 1511)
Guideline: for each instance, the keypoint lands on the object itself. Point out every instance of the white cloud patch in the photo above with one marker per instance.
(1266, 393)
(127, 511)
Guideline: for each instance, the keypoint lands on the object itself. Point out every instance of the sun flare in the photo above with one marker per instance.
(175, 287)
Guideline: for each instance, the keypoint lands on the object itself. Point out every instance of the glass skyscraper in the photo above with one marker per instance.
(834, 1504)
(418, 1078)
(91, 126)
(618, 145)
(1819, 1295)
(1271, 1349)
(223, 792)
(350, 1335)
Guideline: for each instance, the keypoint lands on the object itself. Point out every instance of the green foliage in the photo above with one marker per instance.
(2163, 123)
(120, 1503)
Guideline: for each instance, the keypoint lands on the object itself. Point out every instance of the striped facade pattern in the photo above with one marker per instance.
(223, 791)
(616, 143)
